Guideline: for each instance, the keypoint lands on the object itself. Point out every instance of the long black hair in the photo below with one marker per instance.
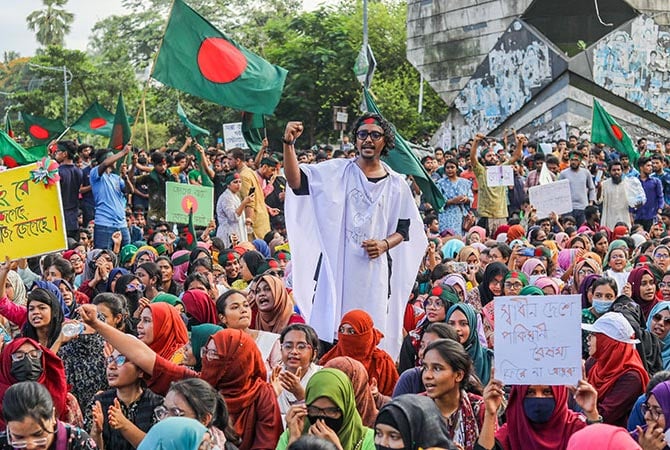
(44, 296)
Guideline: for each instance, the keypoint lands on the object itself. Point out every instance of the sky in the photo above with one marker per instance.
(14, 34)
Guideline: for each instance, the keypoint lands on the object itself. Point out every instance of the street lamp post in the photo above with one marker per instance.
(67, 78)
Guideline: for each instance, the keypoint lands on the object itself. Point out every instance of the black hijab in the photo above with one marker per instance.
(492, 270)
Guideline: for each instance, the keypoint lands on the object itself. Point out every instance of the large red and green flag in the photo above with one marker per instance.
(197, 58)
(95, 120)
(8, 126)
(121, 132)
(403, 160)
(13, 155)
(252, 124)
(40, 129)
(606, 130)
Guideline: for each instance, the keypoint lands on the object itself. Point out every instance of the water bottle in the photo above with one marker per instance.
(72, 329)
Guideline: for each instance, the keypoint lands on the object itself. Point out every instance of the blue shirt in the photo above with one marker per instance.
(110, 203)
(653, 189)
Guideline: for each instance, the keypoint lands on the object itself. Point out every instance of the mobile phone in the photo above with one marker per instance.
(219, 140)
(458, 267)
(528, 252)
(252, 190)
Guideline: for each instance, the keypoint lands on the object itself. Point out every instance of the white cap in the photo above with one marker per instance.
(615, 326)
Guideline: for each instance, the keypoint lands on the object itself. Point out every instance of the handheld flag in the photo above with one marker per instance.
(195, 130)
(189, 233)
(121, 132)
(606, 130)
(95, 120)
(40, 129)
(403, 160)
(251, 130)
(13, 155)
(197, 58)
(8, 126)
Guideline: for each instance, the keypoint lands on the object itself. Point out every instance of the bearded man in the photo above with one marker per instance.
(613, 197)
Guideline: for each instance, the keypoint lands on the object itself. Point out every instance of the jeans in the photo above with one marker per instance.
(102, 236)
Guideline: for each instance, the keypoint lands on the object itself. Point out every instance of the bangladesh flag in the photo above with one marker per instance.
(40, 129)
(8, 126)
(195, 130)
(605, 130)
(403, 160)
(95, 120)
(252, 124)
(121, 132)
(197, 58)
(13, 155)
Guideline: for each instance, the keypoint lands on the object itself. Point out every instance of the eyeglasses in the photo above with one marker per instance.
(659, 317)
(37, 442)
(135, 287)
(654, 411)
(32, 354)
(75, 259)
(346, 330)
(161, 412)
(663, 284)
(300, 346)
(515, 285)
(118, 360)
(209, 353)
(661, 256)
(333, 411)
(433, 304)
(374, 135)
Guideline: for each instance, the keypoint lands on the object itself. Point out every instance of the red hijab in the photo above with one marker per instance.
(278, 318)
(199, 305)
(519, 433)
(53, 375)
(635, 280)
(362, 347)
(240, 376)
(169, 330)
(613, 359)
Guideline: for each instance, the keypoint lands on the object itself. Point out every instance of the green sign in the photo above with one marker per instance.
(182, 197)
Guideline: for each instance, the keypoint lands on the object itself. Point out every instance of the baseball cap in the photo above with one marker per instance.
(615, 326)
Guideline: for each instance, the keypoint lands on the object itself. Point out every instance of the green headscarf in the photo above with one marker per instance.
(336, 386)
(126, 254)
(199, 336)
(481, 357)
(170, 299)
(617, 243)
(531, 290)
(174, 433)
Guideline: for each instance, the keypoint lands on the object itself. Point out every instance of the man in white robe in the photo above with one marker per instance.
(613, 197)
(355, 233)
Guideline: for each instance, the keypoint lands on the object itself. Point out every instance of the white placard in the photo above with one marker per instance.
(538, 339)
(551, 197)
(232, 136)
(342, 117)
(500, 175)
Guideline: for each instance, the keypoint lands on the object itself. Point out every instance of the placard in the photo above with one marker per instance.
(31, 215)
(181, 197)
(551, 197)
(233, 137)
(538, 339)
(500, 175)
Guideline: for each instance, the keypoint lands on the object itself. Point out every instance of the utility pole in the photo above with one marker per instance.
(67, 78)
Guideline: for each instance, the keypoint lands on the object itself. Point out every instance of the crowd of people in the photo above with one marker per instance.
(328, 305)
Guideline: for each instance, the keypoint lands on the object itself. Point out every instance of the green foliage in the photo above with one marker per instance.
(51, 24)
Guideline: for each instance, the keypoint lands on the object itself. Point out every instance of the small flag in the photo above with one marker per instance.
(40, 129)
(121, 132)
(13, 155)
(605, 130)
(195, 130)
(8, 126)
(197, 58)
(252, 124)
(95, 120)
(365, 65)
(189, 233)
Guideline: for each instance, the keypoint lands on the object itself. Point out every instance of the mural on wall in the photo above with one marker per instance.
(634, 63)
(519, 65)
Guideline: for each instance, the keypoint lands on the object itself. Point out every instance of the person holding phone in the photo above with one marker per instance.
(230, 210)
(256, 211)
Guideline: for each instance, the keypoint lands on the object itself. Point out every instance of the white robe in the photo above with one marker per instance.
(342, 210)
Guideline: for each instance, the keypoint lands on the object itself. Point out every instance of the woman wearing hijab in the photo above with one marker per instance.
(600, 299)
(643, 289)
(262, 247)
(548, 285)
(656, 410)
(365, 402)
(533, 268)
(411, 422)
(200, 335)
(491, 286)
(451, 248)
(199, 307)
(275, 308)
(176, 433)
(582, 268)
(616, 262)
(464, 319)
(658, 323)
(171, 300)
(161, 328)
(358, 338)
(614, 368)
(329, 412)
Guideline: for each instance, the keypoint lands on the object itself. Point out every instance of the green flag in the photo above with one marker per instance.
(120, 133)
(252, 124)
(13, 155)
(195, 130)
(40, 129)
(403, 160)
(38, 151)
(605, 130)
(197, 58)
(95, 120)
(8, 126)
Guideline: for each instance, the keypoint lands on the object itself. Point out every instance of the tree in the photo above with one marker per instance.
(51, 24)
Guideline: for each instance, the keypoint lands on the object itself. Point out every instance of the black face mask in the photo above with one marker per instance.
(27, 369)
(333, 424)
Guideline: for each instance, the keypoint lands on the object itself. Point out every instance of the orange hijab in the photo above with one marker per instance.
(169, 330)
(613, 359)
(276, 320)
(362, 347)
(365, 403)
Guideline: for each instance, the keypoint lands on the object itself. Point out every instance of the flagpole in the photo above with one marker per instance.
(146, 124)
(63, 134)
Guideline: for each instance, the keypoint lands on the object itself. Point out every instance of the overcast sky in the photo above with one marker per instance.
(14, 34)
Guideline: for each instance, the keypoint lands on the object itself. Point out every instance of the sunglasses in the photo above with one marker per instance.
(374, 135)
(659, 317)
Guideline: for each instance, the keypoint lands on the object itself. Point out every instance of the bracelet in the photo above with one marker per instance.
(287, 142)
(388, 246)
(598, 420)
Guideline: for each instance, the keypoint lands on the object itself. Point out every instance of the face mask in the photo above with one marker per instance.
(533, 278)
(333, 424)
(601, 306)
(539, 410)
(667, 435)
(26, 370)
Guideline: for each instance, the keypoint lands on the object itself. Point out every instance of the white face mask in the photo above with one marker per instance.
(533, 278)
(667, 435)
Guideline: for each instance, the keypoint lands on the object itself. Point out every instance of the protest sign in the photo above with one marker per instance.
(500, 176)
(538, 339)
(233, 137)
(181, 197)
(551, 197)
(31, 212)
